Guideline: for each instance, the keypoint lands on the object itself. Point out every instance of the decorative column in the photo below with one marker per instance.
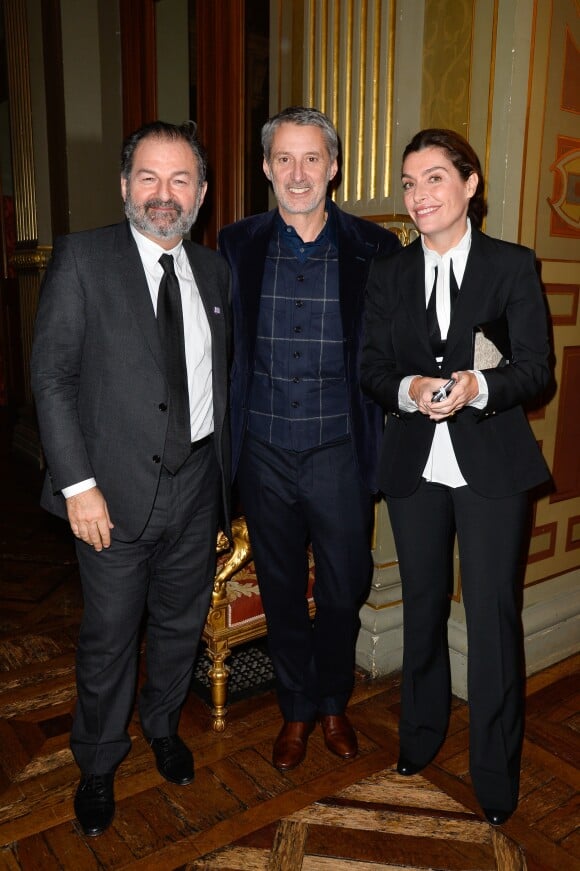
(28, 260)
(379, 647)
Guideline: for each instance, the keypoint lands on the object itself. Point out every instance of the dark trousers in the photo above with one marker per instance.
(290, 498)
(490, 535)
(167, 574)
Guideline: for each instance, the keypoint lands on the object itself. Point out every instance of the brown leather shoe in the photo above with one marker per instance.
(290, 745)
(339, 736)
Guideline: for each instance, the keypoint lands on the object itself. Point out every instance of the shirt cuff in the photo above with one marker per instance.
(482, 397)
(75, 489)
(405, 401)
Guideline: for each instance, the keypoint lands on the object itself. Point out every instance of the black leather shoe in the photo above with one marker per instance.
(95, 803)
(496, 817)
(174, 759)
(407, 768)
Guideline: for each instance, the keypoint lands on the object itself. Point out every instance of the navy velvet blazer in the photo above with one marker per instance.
(244, 245)
(496, 449)
(98, 373)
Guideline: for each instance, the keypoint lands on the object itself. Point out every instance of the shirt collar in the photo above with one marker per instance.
(327, 234)
(151, 251)
(461, 249)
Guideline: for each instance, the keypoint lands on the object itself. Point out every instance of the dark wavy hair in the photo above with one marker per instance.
(463, 158)
(186, 132)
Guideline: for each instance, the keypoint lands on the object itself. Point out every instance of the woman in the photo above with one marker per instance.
(461, 460)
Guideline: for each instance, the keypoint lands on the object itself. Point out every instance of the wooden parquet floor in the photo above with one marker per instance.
(240, 813)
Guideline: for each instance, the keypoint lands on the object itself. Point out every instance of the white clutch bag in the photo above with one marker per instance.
(491, 345)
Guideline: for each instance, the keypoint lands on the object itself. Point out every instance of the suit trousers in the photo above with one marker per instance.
(491, 534)
(166, 575)
(290, 498)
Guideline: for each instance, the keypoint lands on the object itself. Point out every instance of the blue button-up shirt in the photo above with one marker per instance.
(299, 397)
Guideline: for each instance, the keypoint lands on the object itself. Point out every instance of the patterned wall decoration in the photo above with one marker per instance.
(551, 224)
(447, 47)
(571, 76)
(555, 115)
(565, 200)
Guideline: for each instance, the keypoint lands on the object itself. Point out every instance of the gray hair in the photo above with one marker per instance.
(305, 117)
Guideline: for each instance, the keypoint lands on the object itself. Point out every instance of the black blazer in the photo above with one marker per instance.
(495, 448)
(98, 376)
(244, 245)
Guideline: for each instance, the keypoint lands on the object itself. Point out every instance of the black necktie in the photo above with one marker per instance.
(170, 325)
(453, 288)
(437, 343)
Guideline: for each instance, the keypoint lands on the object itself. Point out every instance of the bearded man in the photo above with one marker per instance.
(129, 372)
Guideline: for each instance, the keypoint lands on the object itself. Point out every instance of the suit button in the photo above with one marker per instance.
(162, 406)
(156, 458)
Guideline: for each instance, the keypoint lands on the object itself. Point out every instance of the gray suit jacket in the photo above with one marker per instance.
(97, 372)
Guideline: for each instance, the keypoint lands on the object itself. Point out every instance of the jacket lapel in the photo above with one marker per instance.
(412, 277)
(250, 273)
(130, 274)
(471, 295)
(213, 302)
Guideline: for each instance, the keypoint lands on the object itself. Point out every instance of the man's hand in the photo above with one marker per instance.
(89, 518)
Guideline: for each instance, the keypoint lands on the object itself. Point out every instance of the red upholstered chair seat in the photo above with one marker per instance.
(244, 601)
(236, 614)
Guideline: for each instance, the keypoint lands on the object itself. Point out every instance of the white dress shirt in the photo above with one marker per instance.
(442, 466)
(197, 338)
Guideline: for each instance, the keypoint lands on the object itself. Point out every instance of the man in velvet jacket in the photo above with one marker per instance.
(144, 507)
(305, 439)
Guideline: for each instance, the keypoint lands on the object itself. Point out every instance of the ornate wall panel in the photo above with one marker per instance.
(349, 74)
(447, 50)
(346, 59)
(550, 223)
(552, 206)
(23, 174)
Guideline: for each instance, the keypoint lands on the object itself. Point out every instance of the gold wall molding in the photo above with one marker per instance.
(32, 258)
(19, 97)
(338, 55)
(348, 73)
(401, 225)
(17, 64)
(30, 263)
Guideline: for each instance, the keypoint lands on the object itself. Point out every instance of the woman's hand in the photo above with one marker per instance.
(464, 391)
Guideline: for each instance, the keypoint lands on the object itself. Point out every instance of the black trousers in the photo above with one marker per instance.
(491, 534)
(166, 574)
(290, 498)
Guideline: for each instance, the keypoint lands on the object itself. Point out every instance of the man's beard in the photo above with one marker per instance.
(165, 226)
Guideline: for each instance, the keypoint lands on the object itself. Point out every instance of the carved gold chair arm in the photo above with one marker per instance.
(241, 553)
